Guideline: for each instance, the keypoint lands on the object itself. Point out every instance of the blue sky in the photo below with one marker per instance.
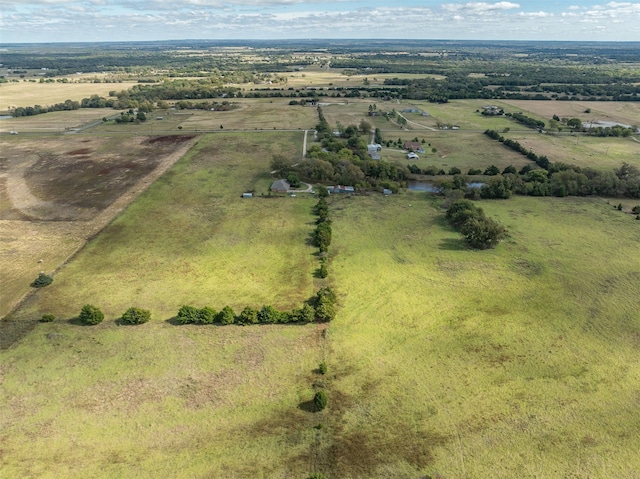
(118, 20)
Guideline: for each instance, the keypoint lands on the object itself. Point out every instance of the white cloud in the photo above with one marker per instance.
(539, 14)
(479, 8)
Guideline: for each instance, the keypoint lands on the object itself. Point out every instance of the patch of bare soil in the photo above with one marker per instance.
(55, 196)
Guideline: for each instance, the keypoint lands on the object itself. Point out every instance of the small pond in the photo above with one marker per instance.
(5, 117)
(415, 185)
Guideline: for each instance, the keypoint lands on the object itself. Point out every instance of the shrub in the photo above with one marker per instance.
(462, 210)
(483, 233)
(207, 315)
(322, 368)
(324, 272)
(47, 318)
(474, 171)
(636, 210)
(317, 475)
(187, 314)
(306, 314)
(226, 316)
(320, 400)
(268, 315)
(325, 311)
(135, 316)
(42, 280)
(91, 314)
(248, 315)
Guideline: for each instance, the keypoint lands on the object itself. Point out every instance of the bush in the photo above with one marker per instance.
(483, 233)
(322, 368)
(41, 281)
(207, 315)
(324, 272)
(47, 318)
(226, 316)
(248, 315)
(135, 316)
(320, 400)
(325, 311)
(462, 210)
(317, 475)
(636, 210)
(91, 315)
(187, 314)
(269, 315)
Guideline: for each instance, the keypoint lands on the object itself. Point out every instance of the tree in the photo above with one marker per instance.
(248, 315)
(574, 123)
(281, 165)
(41, 281)
(187, 314)
(226, 316)
(365, 126)
(207, 315)
(325, 311)
(483, 233)
(320, 400)
(492, 171)
(268, 315)
(135, 315)
(324, 272)
(91, 315)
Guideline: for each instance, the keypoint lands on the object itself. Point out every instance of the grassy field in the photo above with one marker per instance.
(517, 362)
(599, 153)
(462, 149)
(26, 93)
(60, 190)
(623, 112)
(56, 121)
(514, 362)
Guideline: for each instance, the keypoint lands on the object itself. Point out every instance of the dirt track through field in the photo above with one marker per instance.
(51, 232)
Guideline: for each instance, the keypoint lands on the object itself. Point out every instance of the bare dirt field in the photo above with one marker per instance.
(59, 191)
(622, 112)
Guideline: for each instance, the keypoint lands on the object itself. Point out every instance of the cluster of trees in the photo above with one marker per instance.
(131, 117)
(479, 231)
(320, 308)
(560, 179)
(91, 315)
(38, 109)
(526, 120)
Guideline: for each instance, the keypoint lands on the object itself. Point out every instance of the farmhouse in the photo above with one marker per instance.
(413, 146)
(280, 186)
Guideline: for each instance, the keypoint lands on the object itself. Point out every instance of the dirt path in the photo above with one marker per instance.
(49, 239)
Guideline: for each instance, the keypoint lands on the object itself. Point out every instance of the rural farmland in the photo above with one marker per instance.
(344, 327)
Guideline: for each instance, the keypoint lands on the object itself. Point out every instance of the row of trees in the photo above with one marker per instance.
(322, 233)
(526, 120)
(320, 308)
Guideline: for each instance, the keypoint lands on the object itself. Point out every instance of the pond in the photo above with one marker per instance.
(415, 185)
(5, 117)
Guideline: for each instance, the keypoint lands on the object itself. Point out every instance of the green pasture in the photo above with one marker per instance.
(463, 113)
(514, 362)
(600, 153)
(192, 239)
(464, 150)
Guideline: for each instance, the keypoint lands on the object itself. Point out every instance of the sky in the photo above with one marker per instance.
(33, 21)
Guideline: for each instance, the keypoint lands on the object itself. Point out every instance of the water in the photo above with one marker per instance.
(415, 185)
(5, 117)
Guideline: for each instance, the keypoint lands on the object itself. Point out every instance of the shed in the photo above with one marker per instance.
(247, 195)
(386, 192)
(280, 186)
(412, 156)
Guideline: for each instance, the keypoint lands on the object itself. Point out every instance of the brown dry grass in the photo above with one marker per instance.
(60, 191)
(26, 93)
(623, 112)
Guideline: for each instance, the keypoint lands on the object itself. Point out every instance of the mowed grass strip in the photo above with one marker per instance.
(192, 239)
(514, 362)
